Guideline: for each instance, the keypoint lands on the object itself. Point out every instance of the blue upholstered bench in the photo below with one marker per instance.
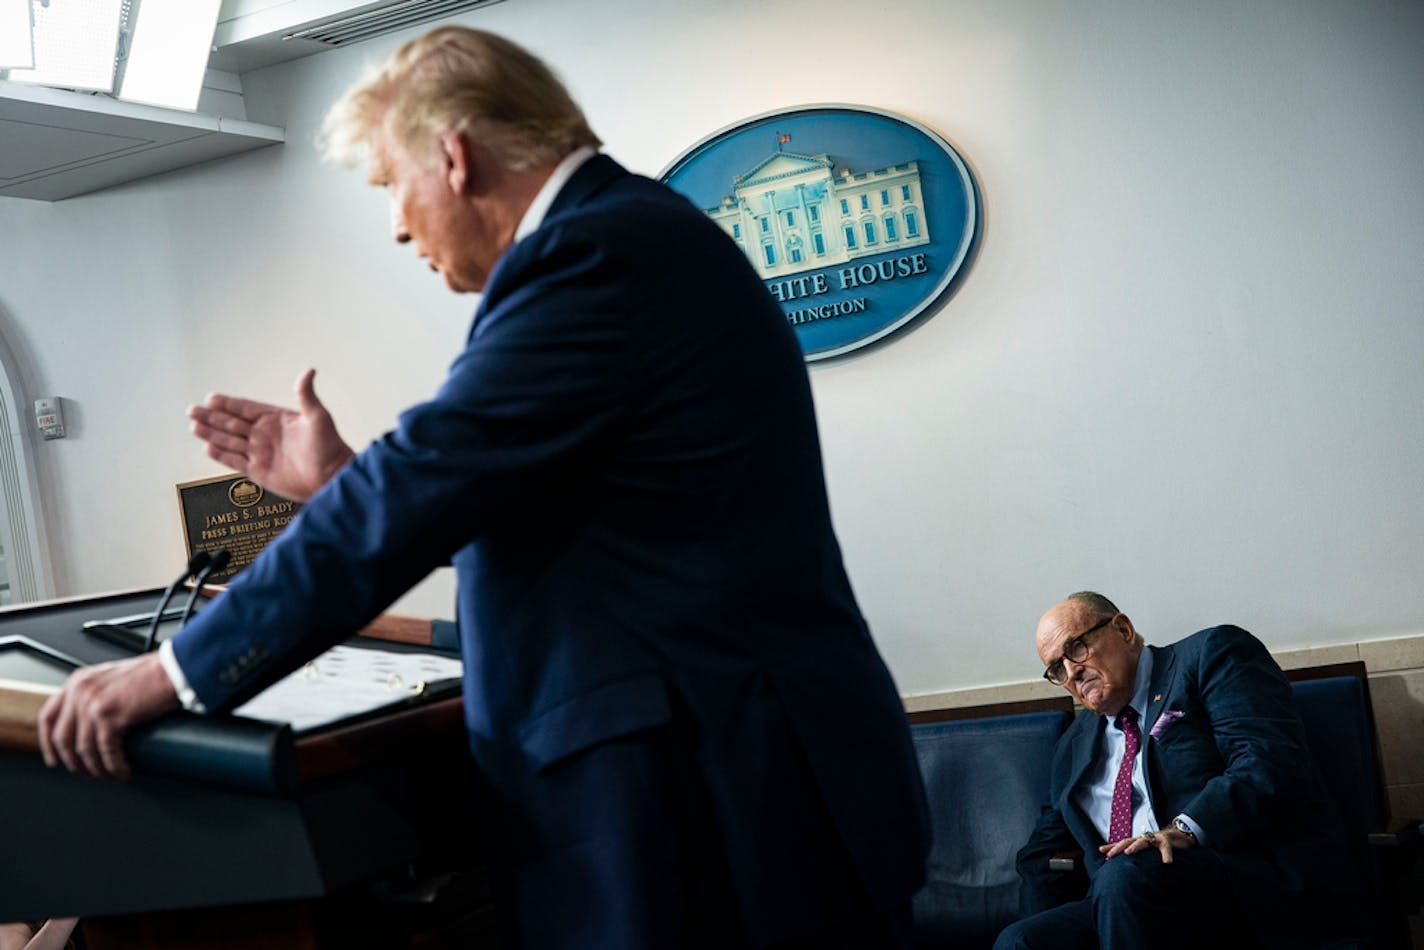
(1339, 727)
(1334, 706)
(986, 779)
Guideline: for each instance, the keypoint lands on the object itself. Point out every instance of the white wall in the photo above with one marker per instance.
(1184, 369)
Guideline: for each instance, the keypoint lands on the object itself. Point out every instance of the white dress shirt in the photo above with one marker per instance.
(534, 214)
(1095, 794)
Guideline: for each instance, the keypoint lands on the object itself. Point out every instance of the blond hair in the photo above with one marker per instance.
(463, 80)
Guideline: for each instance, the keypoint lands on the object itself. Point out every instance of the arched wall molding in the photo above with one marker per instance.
(22, 526)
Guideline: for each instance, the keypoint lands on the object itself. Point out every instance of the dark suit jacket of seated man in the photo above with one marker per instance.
(1217, 833)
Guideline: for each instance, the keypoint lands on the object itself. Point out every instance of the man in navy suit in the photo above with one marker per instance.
(685, 735)
(1189, 787)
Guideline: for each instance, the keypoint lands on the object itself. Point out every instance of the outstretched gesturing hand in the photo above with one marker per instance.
(290, 452)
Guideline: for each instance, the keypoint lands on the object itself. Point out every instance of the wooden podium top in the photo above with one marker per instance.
(57, 624)
(360, 798)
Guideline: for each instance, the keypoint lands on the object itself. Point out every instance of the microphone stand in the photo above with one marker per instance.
(218, 562)
(195, 564)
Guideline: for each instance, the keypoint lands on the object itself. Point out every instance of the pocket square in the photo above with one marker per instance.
(1164, 722)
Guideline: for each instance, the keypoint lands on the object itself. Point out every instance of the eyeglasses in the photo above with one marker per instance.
(1077, 650)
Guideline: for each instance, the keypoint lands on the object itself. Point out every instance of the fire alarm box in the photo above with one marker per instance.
(49, 417)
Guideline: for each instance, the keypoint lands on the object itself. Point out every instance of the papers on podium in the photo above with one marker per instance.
(345, 682)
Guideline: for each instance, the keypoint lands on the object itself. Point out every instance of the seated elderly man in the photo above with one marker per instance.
(1188, 785)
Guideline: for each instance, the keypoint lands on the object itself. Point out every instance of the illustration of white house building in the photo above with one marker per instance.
(793, 212)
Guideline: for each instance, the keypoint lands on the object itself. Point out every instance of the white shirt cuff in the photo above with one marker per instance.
(186, 696)
(1190, 823)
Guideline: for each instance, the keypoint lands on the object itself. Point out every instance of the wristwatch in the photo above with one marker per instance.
(1185, 829)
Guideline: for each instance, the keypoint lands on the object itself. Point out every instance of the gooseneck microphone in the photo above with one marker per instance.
(195, 564)
(217, 563)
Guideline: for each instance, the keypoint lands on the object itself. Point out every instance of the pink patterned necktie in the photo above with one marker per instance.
(1121, 825)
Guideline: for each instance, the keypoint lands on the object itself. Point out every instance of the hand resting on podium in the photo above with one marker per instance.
(83, 725)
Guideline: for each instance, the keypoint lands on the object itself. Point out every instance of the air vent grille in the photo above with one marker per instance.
(386, 18)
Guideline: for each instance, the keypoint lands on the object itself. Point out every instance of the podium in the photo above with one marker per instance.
(336, 837)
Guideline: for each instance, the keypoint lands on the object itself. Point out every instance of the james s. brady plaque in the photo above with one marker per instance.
(232, 512)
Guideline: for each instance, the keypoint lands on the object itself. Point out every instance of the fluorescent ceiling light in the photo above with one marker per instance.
(17, 48)
(169, 52)
(75, 42)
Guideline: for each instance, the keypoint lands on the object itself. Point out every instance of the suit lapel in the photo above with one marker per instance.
(1085, 744)
(1087, 737)
(1163, 659)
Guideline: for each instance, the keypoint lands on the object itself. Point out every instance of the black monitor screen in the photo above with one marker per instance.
(24, 662)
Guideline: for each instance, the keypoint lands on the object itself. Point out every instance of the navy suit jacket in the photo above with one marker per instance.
(1237, 762)
(624, 468)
